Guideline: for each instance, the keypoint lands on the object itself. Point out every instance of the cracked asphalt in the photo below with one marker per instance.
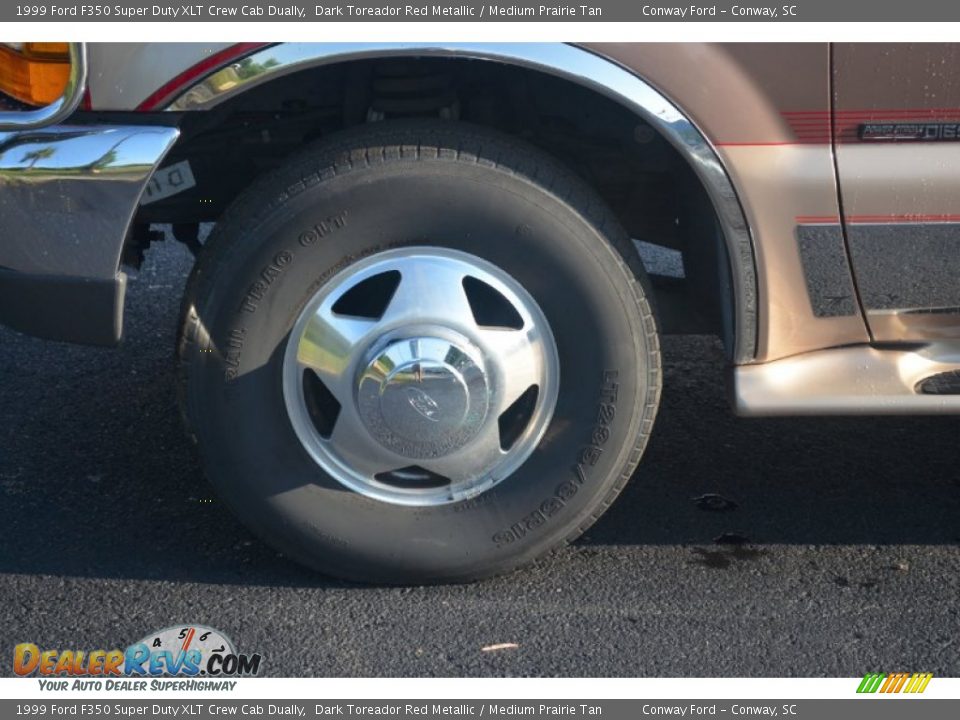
(743, 547)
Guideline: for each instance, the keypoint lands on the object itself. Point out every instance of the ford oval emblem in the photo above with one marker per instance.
(423, 404)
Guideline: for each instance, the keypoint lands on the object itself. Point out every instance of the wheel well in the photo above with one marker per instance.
(648, 184)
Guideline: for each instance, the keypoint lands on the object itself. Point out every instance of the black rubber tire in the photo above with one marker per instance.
(419, 183)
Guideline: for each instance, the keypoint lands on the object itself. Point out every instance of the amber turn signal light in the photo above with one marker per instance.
(34, 73)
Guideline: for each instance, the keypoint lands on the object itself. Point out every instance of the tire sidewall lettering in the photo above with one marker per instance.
(587, 458)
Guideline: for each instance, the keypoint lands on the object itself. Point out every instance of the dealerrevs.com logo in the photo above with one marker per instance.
(177, 651)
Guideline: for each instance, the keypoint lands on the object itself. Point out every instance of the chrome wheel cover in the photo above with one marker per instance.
(433, 398)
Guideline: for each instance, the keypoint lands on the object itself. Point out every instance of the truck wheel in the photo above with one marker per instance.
(419, 353)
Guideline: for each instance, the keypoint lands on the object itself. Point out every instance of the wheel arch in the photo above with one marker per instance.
(195, 91)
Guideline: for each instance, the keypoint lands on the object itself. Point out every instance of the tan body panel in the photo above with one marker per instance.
(779, 183)
(911, 188)
(735, 92)
(123, 75)
(742, 97)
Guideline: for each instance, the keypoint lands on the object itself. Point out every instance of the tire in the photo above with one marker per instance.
(402, 191)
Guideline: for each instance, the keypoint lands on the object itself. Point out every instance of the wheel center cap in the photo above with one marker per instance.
(424, 397)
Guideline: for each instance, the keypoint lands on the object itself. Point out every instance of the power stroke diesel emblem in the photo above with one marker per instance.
(922, 132)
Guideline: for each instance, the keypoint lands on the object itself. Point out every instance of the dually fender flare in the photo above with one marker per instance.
(583, 67)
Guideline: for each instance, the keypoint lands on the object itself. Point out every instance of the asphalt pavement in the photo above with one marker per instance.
(743, 547)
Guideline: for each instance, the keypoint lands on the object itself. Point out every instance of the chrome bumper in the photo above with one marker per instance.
(67, 197)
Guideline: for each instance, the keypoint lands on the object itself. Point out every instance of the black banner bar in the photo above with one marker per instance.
(473, 11)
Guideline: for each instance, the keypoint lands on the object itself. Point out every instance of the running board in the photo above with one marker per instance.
(855, 380)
